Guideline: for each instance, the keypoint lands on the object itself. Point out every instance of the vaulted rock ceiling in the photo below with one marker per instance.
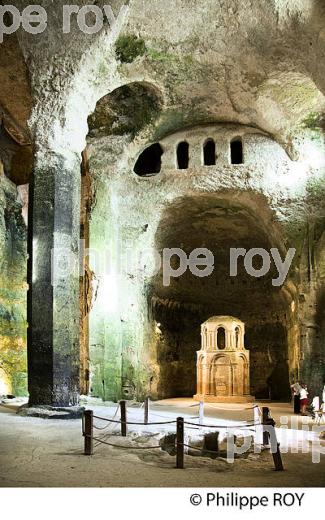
(15, 109)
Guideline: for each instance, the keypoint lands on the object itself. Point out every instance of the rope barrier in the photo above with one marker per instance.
(101, 429)
(134, 423)
(157, 415)
(200, 449)
(190, 425)
(247, 425)
(105, 437)
(251, 426)
(109, 425)
(100, 441)
(126, 447)
(256, 406)
(111, 431)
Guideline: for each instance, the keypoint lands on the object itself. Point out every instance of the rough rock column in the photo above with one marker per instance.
(53, 277)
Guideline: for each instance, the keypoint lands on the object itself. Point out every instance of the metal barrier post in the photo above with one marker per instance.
(123, 418)
(146, 410)
(88, 433)
(180, 443)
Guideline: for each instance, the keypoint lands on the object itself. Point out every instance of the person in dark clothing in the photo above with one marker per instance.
(296, 387)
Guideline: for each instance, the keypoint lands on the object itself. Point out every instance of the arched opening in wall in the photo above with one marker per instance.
(221, 338)
(237, 331)
(219, 222)
(209, 153)
(149, 161)
(125, 111)
(236, 151)
(220, 377)
(183, 157)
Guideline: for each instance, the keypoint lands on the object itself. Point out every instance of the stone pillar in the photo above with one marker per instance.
(53, 277)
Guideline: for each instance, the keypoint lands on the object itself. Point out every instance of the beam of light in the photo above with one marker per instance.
(35, 259)
(313, 154)
(4, 383)
(109, 293)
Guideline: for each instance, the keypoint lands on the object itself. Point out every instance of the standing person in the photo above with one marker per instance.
(295, 388)
(303, 399)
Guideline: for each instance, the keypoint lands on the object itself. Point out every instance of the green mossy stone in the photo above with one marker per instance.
(129, 47)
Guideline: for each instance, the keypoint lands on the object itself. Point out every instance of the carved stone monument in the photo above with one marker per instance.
(223, 362)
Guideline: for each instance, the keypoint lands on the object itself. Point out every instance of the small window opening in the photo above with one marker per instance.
(221, 338)
(236, 151)
(237, 336)
(149, 162)
(209, 153)
(183, 158)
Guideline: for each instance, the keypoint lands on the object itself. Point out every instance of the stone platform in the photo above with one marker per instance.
(224, 399)
(51, 412)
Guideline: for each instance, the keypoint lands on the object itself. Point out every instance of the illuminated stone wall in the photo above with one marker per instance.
(193, 64)
(13, 290)
(144, 336)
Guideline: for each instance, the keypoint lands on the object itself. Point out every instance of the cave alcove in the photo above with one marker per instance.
(219, 222)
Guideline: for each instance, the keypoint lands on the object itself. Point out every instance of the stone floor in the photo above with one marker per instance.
(49, 453)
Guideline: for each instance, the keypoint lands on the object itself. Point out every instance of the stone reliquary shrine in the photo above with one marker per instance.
(223, 362)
